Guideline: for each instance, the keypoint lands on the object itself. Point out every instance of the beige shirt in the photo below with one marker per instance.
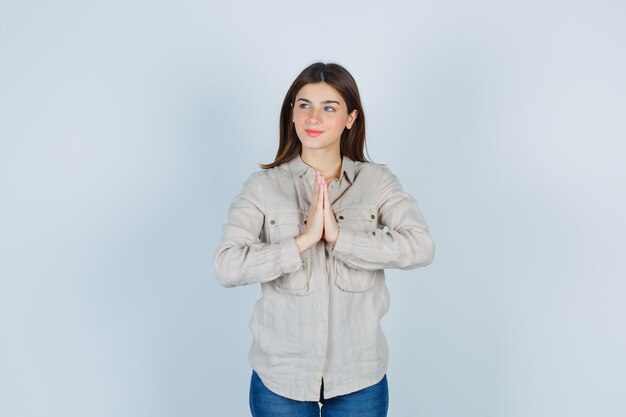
(319, 313)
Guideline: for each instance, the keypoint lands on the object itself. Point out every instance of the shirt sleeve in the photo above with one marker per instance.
(407, 244)
(242, 258)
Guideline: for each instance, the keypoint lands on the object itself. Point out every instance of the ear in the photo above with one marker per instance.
(351, 118)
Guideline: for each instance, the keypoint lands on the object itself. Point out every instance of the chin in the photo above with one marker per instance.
(315, 145)
(311, 143)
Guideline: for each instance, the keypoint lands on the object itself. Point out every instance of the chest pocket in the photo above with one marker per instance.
(361, 219)
(284, 223)
(353, 280)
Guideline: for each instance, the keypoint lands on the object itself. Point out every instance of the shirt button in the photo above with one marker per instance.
(373, 217)
(272, 221)
(305, 222)
(340, 217)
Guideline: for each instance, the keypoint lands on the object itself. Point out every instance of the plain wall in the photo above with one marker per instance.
(127, 127)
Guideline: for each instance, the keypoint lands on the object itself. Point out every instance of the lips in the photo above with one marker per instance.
(313, 133)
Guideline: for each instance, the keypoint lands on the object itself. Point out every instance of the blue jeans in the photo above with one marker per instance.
(369, 402)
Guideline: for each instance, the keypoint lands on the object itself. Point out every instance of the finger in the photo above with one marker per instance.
(322, 192)
(326, 196)
(316, 189)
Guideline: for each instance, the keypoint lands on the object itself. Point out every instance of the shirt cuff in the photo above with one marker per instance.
(344, 244)
(292, 261)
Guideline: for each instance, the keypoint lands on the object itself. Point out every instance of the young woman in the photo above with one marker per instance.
(316, 228)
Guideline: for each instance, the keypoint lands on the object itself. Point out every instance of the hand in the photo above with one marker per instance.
(314, 228)
(331, 227)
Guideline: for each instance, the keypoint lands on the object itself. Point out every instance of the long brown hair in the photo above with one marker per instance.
(352, 140)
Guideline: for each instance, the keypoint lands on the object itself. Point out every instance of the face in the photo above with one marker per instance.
(320, 115)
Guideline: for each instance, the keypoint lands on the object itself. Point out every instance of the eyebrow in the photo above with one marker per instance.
(322, 102)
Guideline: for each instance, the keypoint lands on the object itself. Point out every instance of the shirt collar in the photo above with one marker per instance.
(299, 168)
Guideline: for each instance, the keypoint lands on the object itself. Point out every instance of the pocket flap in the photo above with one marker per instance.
(284, 223)
(357, 217)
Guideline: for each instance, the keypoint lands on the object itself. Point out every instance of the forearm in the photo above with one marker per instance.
(407, 248)
(406, 244)
(304, 242)
(244, 263)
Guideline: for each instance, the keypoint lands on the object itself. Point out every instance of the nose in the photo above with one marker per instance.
(314, 117)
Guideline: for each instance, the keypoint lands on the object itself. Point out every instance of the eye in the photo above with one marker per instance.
(331, 108)
(303, 105)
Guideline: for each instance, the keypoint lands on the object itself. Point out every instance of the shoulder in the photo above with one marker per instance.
(263, 181)
(373, 171)
(261, 175)
(270, 175)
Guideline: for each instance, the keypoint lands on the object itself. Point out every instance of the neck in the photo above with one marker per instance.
(327, 161)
